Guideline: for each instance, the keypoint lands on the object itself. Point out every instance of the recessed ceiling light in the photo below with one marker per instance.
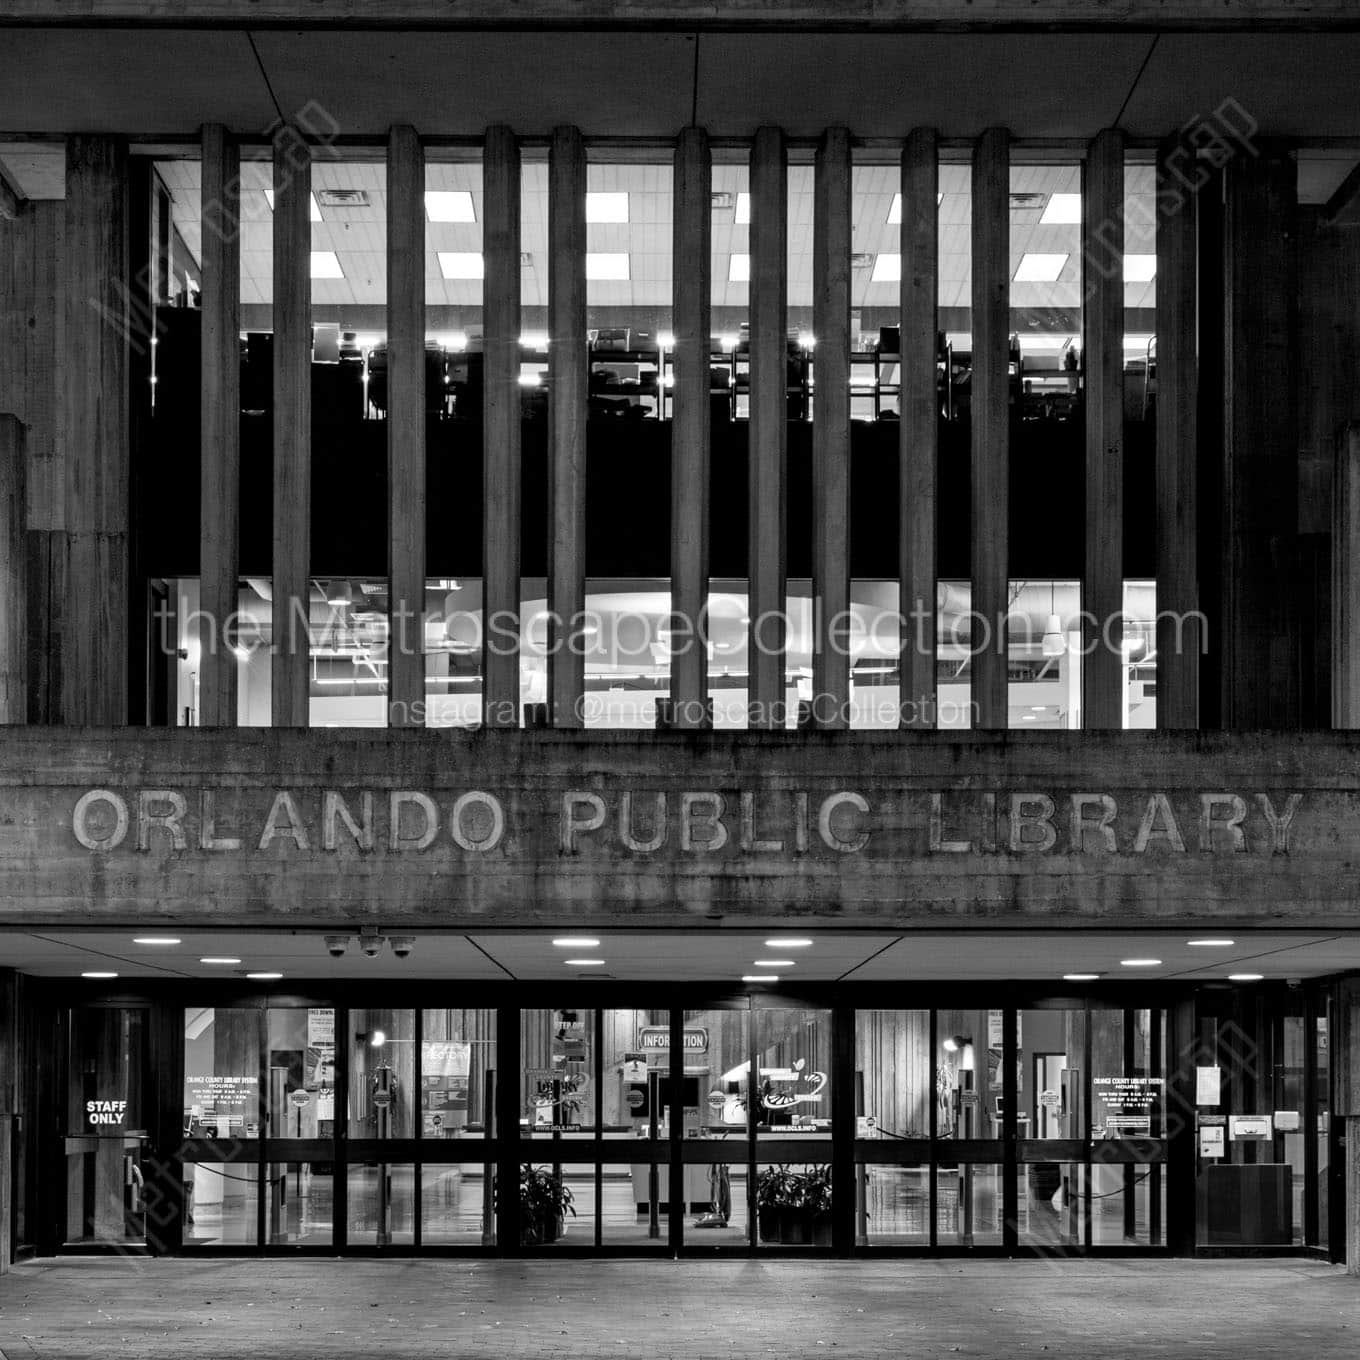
(314, 208)
(1140, 963)
(449, 205)
(99, 975)
(887, 268)
(1210, 944)
(773, 963)
(1245, 977)
(1140, 268)
(1081, 977)
(743, 213)
(1036, 267)
(739, 269)
(760, 977)
(264, 977)
(792, 942)
(607, 266)
(156, 939)
(584, 963)
(461, 264)
(222, 959)
(606, 207)
(1062, 210)
(575, 942)
(326, 265)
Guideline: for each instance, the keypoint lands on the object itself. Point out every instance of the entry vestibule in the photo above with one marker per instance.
(692, 1119)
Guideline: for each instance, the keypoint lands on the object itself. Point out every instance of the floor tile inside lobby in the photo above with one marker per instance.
(228, 1309)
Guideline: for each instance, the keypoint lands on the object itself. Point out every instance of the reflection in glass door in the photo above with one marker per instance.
(300, 1156)
(106, 1125)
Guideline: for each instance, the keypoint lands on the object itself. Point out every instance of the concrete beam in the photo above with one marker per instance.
(918, 452)
(703, 15)
(691, 425)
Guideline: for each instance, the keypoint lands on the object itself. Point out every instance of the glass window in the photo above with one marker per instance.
(637, 1099)
(793, 1080)
(382, 1074)
(381, 1204)
(969, 1204)
(221, 1203)
(892, 1207)
(457, 1205)
(301, 1072)
(457, 1073)
(557, 1071)
(893, 1074)
(222, 1072)
(969, 1082)
(298, 1210)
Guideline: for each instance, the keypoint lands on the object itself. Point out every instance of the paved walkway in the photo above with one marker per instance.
(75, 1308)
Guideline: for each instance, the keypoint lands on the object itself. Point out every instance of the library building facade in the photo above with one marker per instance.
(652, 628)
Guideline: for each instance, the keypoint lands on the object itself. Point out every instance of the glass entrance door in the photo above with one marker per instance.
(107, 1116)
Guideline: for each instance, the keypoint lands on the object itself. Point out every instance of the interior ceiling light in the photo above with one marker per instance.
(743, 213)
(1037, 267)
(607, 266)
(1246, 977)
(156, 939)
(264, 977)
(575, 942)
(219, 958)
(461, 264)
(887, 268)
(99, 975)
(760, 977)
(610, 207)
(1140, 268)
(326, 265)
(773, 963)
(1081, 977)
(1211, 944)
(1054, 644)
(739, 269)
(793, 941)
(584, 963)
(1062, 210)
(1140, 963)
(449, 205)
(314, 208)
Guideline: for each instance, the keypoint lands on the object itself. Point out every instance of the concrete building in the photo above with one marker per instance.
(740, 617)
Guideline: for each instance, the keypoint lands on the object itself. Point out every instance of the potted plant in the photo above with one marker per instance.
(793, 1208)
(544, 1203)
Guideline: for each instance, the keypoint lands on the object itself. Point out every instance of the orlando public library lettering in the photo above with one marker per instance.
(697, 822)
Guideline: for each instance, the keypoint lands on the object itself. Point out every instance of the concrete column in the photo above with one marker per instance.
(405, 428)
(1260, 635)
(831, 433)
(1347, 1056)
(767, 479)
(291, 668)
(991, 425)
(9, 1076)
(1103, 324)
(567, 363)
(1178, 646)
(31, 323)
(219, 521)
(95, 362)
(691, 432)
(918, 455)
(500, 429)
(1346, 580)
(13, 574)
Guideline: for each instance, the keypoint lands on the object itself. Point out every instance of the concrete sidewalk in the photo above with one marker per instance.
(112, 1308)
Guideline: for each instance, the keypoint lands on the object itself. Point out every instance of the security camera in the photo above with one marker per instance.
(371, 942)
(336, 945)
(402, 945)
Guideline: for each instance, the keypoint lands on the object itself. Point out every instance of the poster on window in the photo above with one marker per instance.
(445, 1070)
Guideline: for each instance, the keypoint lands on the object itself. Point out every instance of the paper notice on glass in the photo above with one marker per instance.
(325, 1105)
(1211, 1141)
(1208, 1085)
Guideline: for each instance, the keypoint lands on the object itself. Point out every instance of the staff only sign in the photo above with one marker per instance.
(554, 827)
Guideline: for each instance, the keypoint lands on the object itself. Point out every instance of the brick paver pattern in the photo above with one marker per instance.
(77, 1308)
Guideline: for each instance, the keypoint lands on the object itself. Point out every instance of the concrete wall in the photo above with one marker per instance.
(522, 828)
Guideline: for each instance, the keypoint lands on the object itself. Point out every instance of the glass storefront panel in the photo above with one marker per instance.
(1323, 1105)
(793, 1080)
(969, 1084)
(558, 1095)
(457, 1205)
(557, 1204)
(793, 1204)
(1052, 1205)
(380, 1202)
(892, 1206)
(457, 1073)
(892, 1074)
(222, 1072)
(382, 1074)
(635, 1204)
(299, 1204)
(969, 1204)
(221, 1204)
(301, 1072)
(636, 1100)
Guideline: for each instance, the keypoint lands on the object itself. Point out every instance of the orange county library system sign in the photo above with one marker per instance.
(530, 828)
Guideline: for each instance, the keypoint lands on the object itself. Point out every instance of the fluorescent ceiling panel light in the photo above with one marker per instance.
(1140, 963)
(743, 208)
(760, 977)
(584, 963)
(611, 267)
(461, 264)
(612, 207)
(895, 212)
(219, 959)
(1140, 268)
(156, 939)
(326, 265)
(792, 942)
(887, 268)
(1062, 210)
(264, 977)
(1211, 944)
(1040, 268)
(1245, 977)
(314, 207)
(739, 269)
(1080, 977)
(575, 942)
(773, 963)
(449, 205)
(99, 975)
